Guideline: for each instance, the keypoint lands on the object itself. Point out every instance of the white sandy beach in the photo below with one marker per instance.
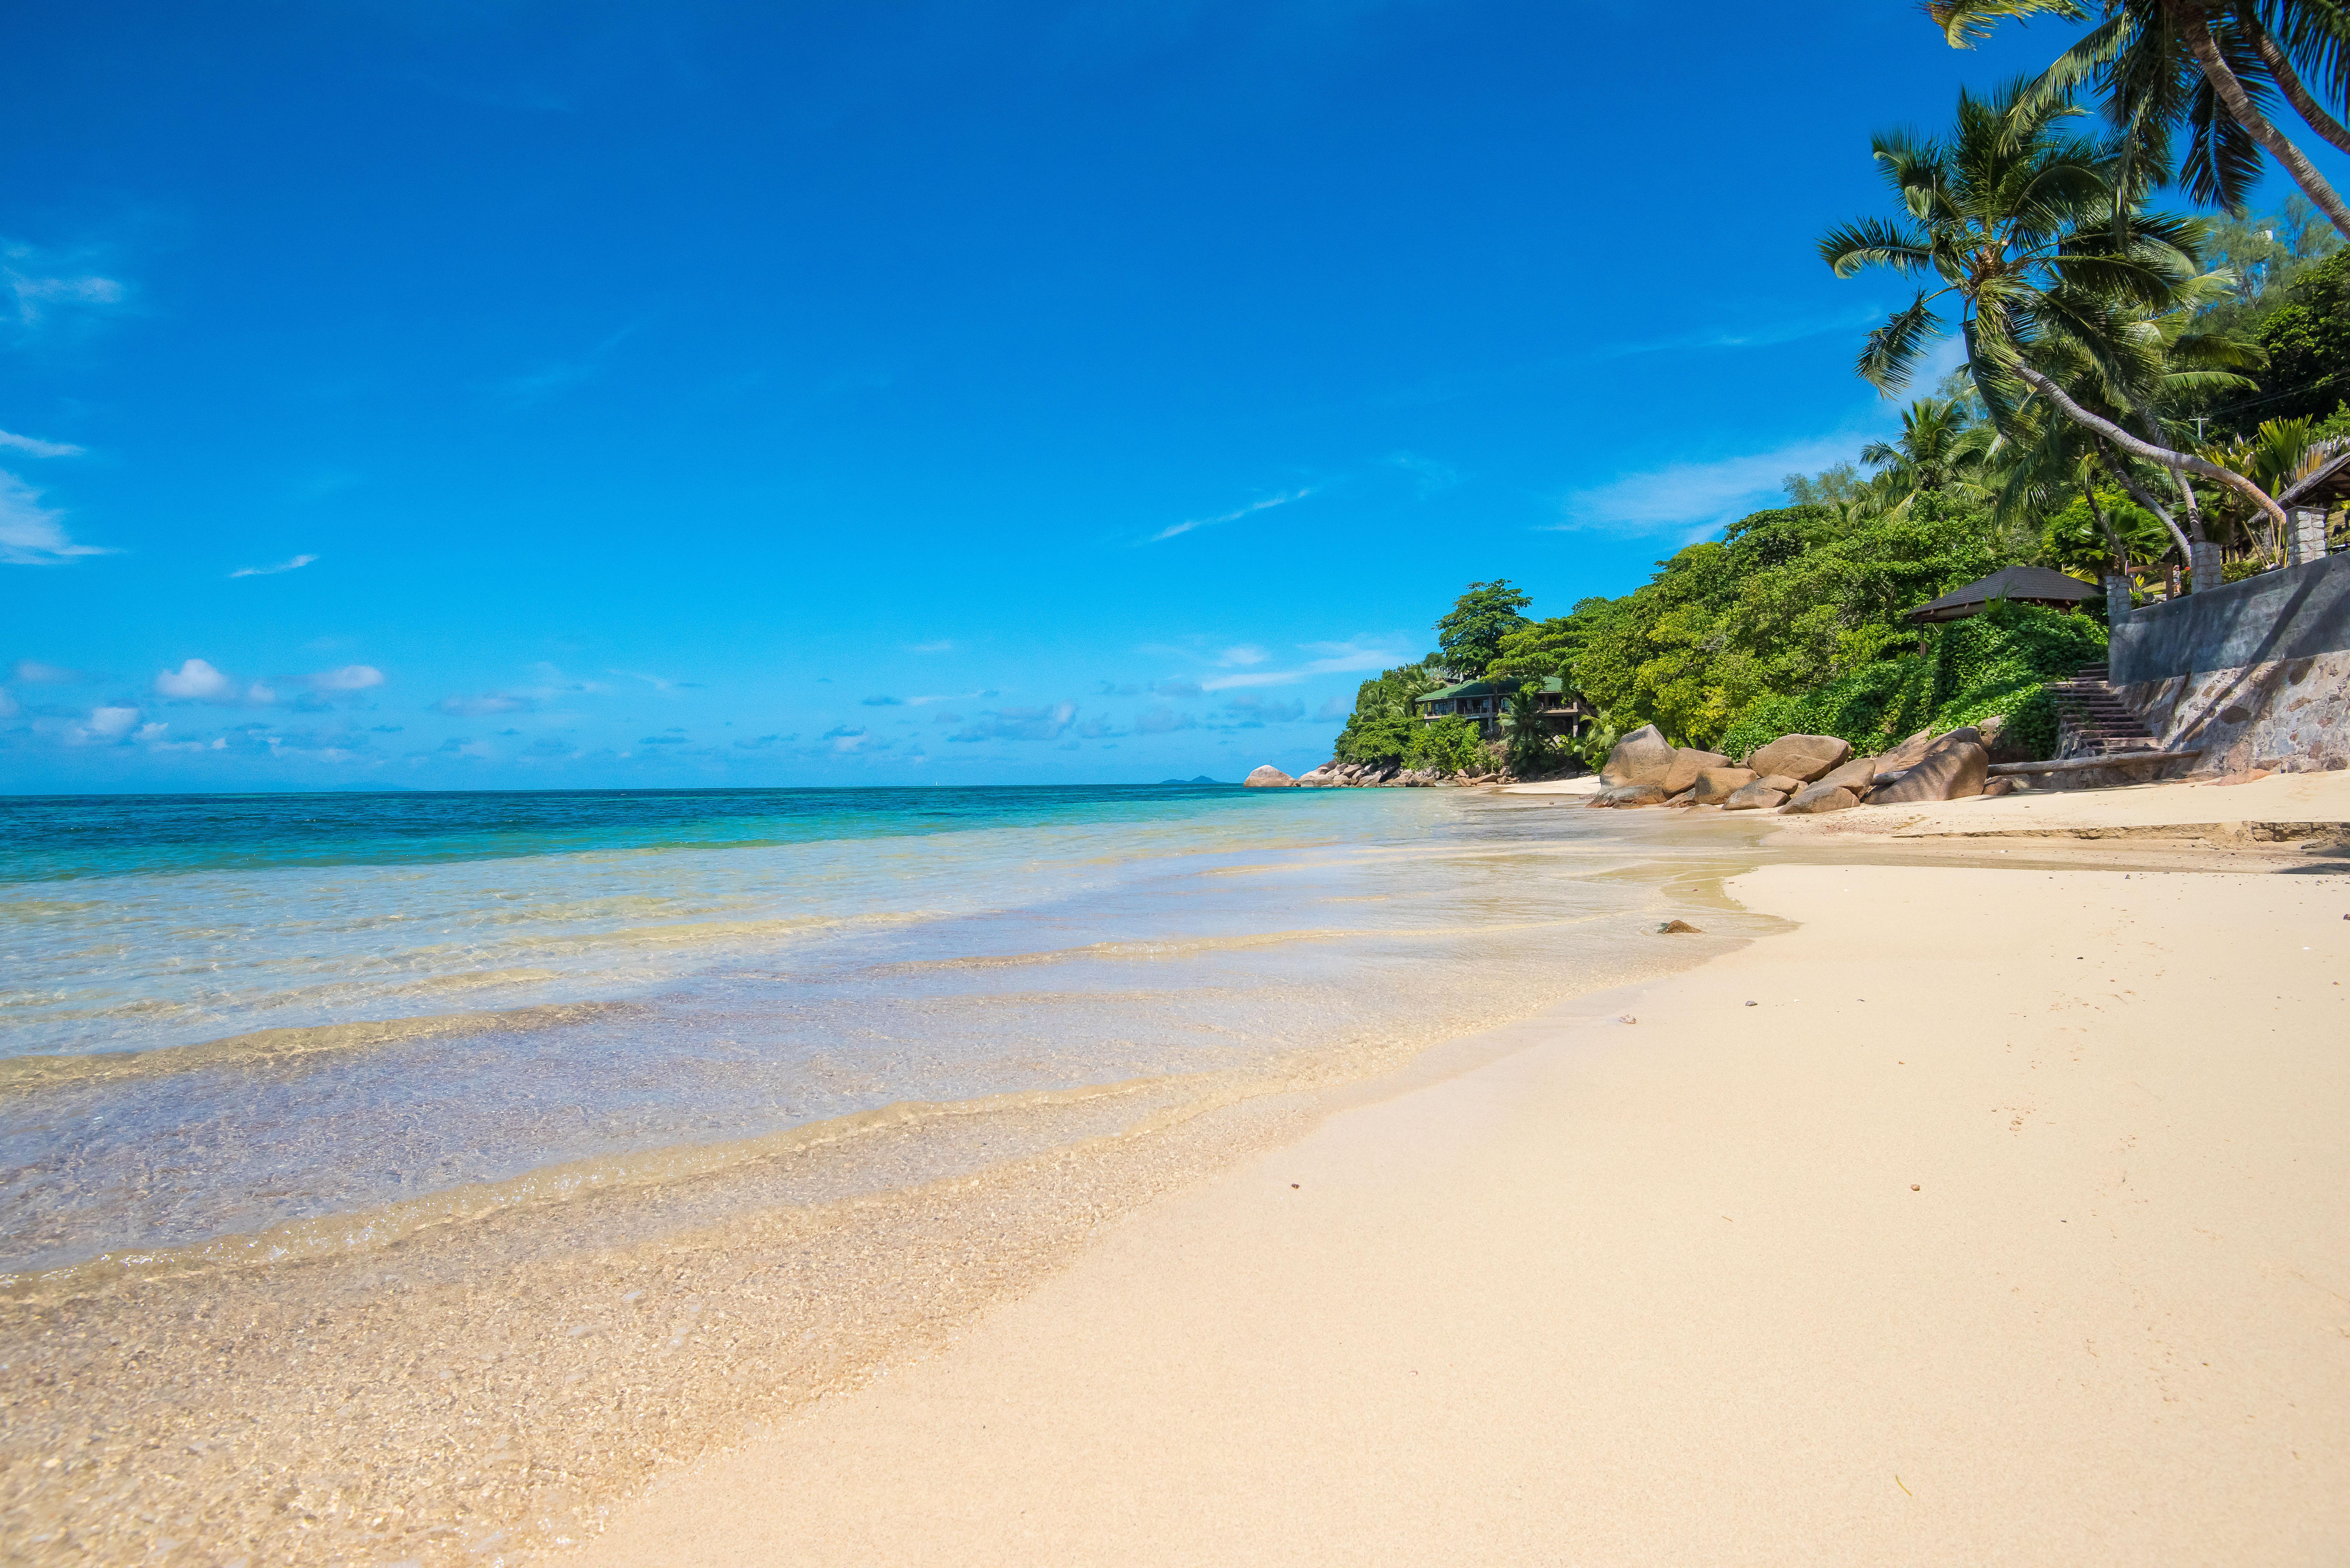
(2010, 1223)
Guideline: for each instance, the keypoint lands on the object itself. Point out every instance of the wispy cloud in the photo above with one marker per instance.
(295, 565)
(37, 286)
(349, 677)
(1428, 475)
(32, 534)
(1686, 494)
(1020, 724)
(1253, 508)
(1745, 335)
(945, 645)
(657, 683)
(482, 704)
(38, 446)
(562, 375)
(881, 701)
(1328, 658)
(33, 672)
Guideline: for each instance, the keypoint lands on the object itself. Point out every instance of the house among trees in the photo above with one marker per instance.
(1487, 703)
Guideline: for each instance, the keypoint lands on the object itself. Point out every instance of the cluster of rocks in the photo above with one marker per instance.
(1799, 774)
(1362, 776)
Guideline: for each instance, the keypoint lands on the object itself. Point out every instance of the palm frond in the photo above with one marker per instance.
(1891, 357)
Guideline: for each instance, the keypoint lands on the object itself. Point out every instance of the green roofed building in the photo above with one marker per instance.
(1563, 713)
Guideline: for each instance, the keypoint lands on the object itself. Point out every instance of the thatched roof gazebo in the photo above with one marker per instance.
(2025, 585)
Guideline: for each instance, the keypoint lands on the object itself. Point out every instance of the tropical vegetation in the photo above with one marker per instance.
(2140, 385)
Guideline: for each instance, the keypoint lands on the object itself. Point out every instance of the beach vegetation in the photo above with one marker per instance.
(1450, 744)
(1469, 636)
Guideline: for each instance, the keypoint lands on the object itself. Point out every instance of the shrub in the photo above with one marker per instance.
(1994, 663)
(1450, 745)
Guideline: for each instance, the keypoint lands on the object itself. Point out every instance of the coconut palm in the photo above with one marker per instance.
(2058, 285)
(1529, 747)
(2211, 67)
(1940, 448)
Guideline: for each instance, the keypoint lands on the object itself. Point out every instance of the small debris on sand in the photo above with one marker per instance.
(1671, 927)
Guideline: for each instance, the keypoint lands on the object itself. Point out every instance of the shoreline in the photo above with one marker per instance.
(1494, 1319)
(498, 1376)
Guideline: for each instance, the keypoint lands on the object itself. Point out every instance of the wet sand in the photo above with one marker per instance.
(2010, 1222)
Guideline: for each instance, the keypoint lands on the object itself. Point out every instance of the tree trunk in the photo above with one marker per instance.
(2288, 81)
(2144, 497)
(2113, 535)
(2196, 32)
(2137, 447)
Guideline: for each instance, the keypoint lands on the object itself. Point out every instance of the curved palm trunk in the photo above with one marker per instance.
(2137, 447)
(2288, 81)
(2113, 535)
(2196, 32)
(2144, 497)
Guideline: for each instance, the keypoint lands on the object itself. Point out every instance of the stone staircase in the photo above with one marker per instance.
(2091, 720)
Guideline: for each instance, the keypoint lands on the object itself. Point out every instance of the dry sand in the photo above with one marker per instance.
(2010, 1223)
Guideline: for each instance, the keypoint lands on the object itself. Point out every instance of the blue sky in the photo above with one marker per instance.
(496, 396)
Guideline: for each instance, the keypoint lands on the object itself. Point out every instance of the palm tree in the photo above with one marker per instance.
(2210, 65)
(2020, 225)
(1529, 747)
(1940, 447)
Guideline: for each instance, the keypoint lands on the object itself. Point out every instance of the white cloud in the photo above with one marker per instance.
(942, 646)
(198, 680)
(296, 564)
(36, 297)
(1683, 494)
(38, 446)
(30, 534)
(195, 681)
(104, 724)
(349, 677)
(1329, 659)
(1252, 508)
(1244, 655)
(34, 672)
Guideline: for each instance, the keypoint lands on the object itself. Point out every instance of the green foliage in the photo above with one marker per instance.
(1470, 637)
(2308, 345)
(1540, 648)
(2071, 542)
(1784, 601)
(1529, 750)
(1994, 663)
(1384, 724)
(1450, 745)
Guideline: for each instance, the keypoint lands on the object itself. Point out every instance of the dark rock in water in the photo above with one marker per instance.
(1679, 928)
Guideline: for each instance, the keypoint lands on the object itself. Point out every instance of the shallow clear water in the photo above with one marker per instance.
(221, 1015)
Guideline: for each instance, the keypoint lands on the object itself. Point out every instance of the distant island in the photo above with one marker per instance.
(1203, 779)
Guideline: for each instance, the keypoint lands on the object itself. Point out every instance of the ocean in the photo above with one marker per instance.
(326, 1054)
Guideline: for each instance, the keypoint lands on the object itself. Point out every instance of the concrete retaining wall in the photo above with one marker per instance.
(2295, 612)
(2256, 673)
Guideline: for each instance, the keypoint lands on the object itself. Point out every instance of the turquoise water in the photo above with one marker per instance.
(225, 1014)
